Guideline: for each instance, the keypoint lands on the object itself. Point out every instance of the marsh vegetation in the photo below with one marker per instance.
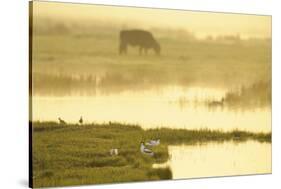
(74, 154)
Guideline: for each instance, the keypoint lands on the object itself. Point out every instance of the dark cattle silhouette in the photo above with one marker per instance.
(140, 38)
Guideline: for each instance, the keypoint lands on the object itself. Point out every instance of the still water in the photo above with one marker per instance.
(219, 159)
(172, 107)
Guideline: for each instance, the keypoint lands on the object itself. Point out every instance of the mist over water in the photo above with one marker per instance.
(181, 88)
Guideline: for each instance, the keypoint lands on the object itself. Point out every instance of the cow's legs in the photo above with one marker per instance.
(122, 49)
(125, 49)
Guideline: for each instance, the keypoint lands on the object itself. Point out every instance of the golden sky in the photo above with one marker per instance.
(201, 23)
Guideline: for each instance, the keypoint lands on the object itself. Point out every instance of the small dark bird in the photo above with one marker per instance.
(61, 121)
(217, 103)
(81, 120)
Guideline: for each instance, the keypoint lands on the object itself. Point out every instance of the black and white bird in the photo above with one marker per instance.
(113, 152)
(153, 142)
(61, 121)
(81, 120)
(145, 150)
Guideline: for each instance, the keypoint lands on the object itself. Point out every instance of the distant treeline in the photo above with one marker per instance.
(97, 28)
(49, 26)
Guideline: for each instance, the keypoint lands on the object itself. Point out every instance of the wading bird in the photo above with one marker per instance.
(61, 121)
(217, 103)
(145, 150)
(114, 151)
(81, 120)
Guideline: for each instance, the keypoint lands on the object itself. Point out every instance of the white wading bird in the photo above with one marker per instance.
(153, 142)
(114, 151)
(145, 150)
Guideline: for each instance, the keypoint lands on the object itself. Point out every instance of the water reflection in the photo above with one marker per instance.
(219, 159)
(153, 108)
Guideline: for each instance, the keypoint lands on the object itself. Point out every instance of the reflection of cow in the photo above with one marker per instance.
(143, 39)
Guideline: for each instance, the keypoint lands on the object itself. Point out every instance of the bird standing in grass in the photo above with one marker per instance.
(81, 120)
(61, 121)
(145, 150)
(153, 142)
(114, 151)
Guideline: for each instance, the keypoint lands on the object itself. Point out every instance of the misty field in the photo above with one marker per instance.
(86, 61)
(75, 154)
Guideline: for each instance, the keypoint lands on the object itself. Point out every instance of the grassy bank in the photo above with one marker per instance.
(73, 154)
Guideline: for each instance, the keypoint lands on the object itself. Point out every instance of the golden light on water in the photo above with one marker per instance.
(151, 110)
(220, 159)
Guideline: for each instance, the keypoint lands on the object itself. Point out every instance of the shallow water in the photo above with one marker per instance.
(219, 159)
(173, 107)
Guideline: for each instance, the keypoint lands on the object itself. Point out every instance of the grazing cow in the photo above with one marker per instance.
(140, 38)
